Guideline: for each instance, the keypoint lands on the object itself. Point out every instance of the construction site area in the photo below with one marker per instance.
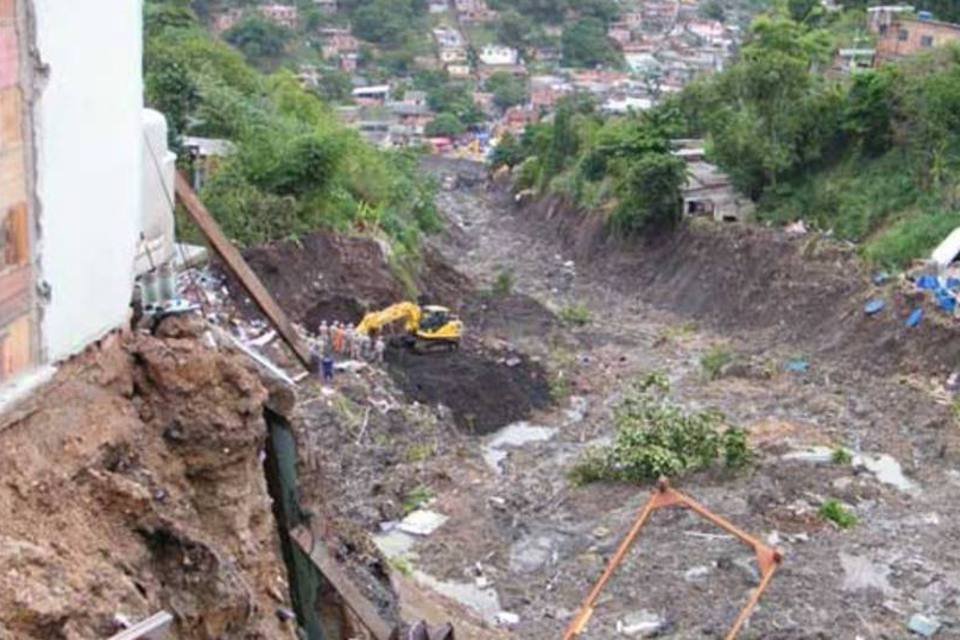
(201, 471)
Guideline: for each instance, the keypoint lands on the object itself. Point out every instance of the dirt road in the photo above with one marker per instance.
(518, 527)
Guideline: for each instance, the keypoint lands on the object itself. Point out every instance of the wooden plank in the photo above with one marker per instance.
(239, 268)
(355, 600)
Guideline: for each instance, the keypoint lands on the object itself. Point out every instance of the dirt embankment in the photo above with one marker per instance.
(805, 291)
(486, 386)
(134, 484)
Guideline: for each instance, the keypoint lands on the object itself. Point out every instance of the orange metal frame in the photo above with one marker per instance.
(768, 558)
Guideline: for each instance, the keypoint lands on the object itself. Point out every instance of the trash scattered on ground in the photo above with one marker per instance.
(641, 624)
(915, 317)
(881, 278)
(922, 625)
(874, 307)
(796, 228)
(422, 522)
(815, 455)
(797, 366)
(506, 618)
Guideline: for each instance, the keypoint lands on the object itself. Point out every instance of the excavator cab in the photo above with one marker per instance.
(434, 318)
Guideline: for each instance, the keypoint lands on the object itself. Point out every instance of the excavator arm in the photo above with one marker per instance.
(376, 320)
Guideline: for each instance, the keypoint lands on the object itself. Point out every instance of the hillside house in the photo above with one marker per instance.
(899, 35)
(709, 191)
(620, 33)
(226, 20)
(458, 70)
(281, 14)
(496, 55)
(338, 42)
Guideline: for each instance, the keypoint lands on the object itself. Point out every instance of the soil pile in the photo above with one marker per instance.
(327, 276)
(156, 499)
(484, 391)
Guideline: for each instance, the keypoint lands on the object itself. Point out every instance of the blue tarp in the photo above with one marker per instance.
(874, 306)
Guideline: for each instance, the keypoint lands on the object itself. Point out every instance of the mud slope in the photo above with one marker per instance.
(804, 291)
(336, 277)
(137, 486)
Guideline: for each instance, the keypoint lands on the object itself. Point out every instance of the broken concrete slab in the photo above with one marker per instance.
(514, 435)
(422, 522)
(887, 470)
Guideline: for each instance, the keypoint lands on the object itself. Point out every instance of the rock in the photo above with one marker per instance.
(531, 553)
(642, 624)
(513, 361)
(922, 625)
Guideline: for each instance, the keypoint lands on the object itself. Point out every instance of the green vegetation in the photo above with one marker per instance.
(418, 497)
(585, 44)
(295, 168)
(834, 512)
(503, 283)
(841, 457)
(445, 124)
(261, 41)
(421, 452)
(621, 167)
(577, 315)
(656, 437)
(402, 565)
(714, 360)
(874, 158)
(507, 89)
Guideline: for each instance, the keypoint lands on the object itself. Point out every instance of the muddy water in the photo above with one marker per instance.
(541, 542)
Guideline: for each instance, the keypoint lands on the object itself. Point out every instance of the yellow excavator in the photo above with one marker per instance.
(427, 327)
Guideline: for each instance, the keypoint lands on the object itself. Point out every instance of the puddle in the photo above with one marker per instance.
(484, 601)
(888, 471)
(514, 435)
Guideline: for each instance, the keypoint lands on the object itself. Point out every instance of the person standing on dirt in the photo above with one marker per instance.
(365, 347)
(327, 366)
(353, 342)
(338, 336)
(379, 348)
(324, 331)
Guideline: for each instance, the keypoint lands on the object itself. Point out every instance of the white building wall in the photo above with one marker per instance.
(89, 148)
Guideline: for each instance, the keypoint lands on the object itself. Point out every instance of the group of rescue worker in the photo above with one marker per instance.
(337, 339)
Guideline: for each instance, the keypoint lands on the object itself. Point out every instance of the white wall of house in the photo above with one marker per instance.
(89, 157)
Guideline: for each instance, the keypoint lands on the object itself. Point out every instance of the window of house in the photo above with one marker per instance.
(903, 35)
(926, 41)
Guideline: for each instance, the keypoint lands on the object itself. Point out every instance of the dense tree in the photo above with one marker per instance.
(508, 152)
(446, 125)
(868, 114)
(335, 86)
(455, 98)
(260, 40)
(650, 193)
(507, 89)
(585, 44)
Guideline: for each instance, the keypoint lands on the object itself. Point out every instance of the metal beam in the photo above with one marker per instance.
(240, 269)
(153, 628)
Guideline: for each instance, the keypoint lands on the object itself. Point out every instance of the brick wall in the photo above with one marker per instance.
(908, 37)
(16, 282)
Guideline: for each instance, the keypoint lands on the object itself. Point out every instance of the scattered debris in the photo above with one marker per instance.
(797, 366)
(642, 624)
(874, 306)
(915, 317)
(422, 522)
(887, 470)
(922, 625)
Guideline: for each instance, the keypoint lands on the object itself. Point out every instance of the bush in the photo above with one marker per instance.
(714, 360)
(577, 315)
(834, 512)
(503, 283)
(655, 437)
